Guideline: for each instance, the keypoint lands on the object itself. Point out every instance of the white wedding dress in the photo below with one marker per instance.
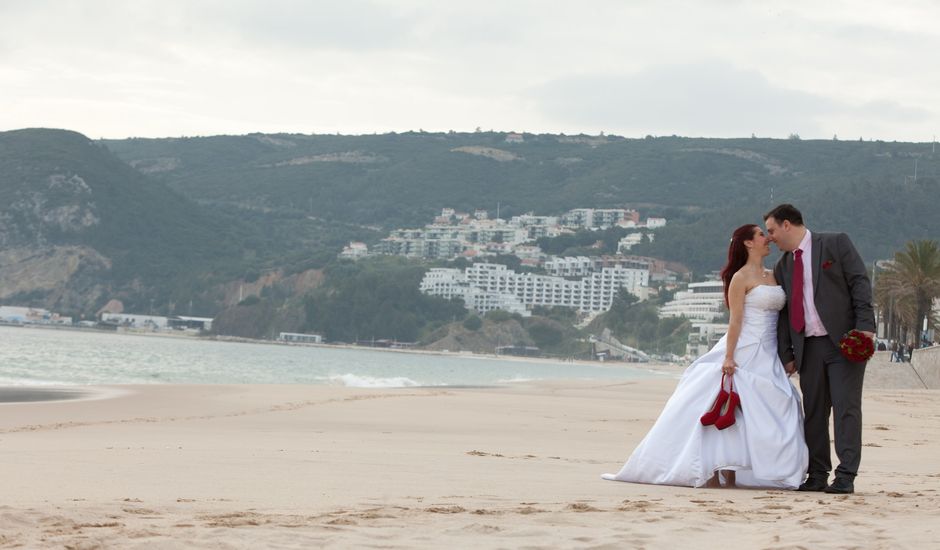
(765, 446)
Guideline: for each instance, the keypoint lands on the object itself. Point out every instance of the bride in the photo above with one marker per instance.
(764, 446)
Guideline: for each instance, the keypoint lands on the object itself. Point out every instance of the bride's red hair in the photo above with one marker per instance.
(737, 254)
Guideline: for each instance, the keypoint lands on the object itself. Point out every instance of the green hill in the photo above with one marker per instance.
(170, 225)
(705, 187)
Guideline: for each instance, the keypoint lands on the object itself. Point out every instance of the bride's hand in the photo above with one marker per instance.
(728, 366)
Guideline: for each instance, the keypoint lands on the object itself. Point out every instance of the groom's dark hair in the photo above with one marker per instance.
(785, 212)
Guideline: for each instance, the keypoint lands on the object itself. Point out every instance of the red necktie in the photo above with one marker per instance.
(797, 318)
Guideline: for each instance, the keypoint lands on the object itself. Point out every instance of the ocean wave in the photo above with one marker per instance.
(5, 381)
(358, 381)
(516, 379)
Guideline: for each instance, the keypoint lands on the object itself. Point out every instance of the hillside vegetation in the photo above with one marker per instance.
(705, 187)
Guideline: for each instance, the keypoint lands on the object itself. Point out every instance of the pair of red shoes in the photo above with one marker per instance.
(721, 415)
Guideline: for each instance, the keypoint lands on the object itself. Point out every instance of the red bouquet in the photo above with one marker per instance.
(857, 346)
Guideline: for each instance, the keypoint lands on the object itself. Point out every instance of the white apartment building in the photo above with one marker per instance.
(446, 241)
(569, 266)
(451, 283)
(654, 223)
(590, 218)
(704, 302)
(354, 251)
(703, 337)
(537, 226)
(300, 338)
(638, 269)
(592, 293)
(529, 252)
(629, 241)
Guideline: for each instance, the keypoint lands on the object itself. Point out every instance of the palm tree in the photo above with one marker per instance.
(907, 289)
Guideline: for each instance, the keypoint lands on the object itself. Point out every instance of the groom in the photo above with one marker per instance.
(828, 294)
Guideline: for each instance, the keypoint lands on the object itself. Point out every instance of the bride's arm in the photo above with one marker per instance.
(736, 292)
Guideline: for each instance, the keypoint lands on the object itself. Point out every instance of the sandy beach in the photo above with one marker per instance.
(256, 466)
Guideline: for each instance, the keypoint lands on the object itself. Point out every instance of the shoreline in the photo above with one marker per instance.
(40, 395)
(655, 366)
(36, 394)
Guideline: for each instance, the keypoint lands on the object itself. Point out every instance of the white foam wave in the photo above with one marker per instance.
(357, 381)
(516, 379)
(4, 381)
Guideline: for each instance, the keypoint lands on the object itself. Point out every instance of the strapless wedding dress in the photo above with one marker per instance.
(765, 446)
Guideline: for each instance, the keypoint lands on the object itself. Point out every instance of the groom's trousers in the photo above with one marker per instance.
(831, 382)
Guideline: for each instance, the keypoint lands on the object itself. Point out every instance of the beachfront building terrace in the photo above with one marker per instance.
(132, 320)
(32, 316)
(299, 338)
(704, 302)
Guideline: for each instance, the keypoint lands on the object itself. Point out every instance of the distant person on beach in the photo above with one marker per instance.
(752, 433)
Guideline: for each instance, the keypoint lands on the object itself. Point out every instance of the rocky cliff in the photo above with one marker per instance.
(78, 226)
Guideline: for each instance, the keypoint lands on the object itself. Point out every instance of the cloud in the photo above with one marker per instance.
(707, 98)
(770, 68)
(298, 24)
(682, 99)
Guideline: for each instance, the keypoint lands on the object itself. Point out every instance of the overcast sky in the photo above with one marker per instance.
(723, 68)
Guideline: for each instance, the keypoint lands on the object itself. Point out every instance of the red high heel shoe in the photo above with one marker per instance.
(734, 402)
(712, 415)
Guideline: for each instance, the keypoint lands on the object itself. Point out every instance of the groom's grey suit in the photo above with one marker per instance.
(843, 298)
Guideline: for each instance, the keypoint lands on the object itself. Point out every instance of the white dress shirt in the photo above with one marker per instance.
(814, 325)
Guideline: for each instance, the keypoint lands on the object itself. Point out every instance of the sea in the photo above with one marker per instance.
(55, 357)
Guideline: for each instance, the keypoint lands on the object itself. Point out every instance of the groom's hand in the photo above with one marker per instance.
(869, 334)
(790, 368)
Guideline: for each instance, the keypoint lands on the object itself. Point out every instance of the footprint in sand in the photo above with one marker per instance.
(581, 507)
(141, 511)
(482, 529)
(445, 510)
(635, 506)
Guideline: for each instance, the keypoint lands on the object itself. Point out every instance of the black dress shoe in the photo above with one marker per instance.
(841, 486)
(814, 484)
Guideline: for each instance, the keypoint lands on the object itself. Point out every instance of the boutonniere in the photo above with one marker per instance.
(827, 264)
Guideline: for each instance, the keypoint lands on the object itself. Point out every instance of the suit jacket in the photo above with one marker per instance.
(841, 292)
